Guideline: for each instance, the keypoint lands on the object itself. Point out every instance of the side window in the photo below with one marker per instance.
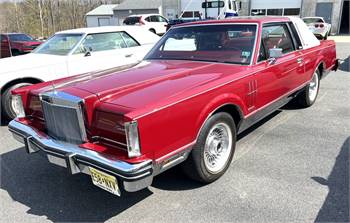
(277, 36)
(130, 42)
(148, 19)
(3, 38)
(101, 42)
(161, 19)
(154, 18)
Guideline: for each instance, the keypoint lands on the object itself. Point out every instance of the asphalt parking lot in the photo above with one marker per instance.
(292, 166)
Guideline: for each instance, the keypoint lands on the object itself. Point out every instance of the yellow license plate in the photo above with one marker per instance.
(104, 181)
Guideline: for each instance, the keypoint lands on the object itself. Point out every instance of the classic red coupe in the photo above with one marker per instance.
(201, 85)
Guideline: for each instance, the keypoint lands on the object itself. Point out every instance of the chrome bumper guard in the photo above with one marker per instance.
(77, 160)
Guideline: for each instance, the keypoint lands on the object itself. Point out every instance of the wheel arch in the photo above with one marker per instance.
(232, 105)
(31, 80)
(321, 66)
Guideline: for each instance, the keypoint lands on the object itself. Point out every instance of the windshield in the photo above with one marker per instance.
(20, 37)
(312, 20)
(232, 43)
(59, 44)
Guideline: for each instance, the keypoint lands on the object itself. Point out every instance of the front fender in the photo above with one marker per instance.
(217, 103)
(41, 73)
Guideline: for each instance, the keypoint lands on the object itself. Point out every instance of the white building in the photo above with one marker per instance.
(335, 12)
(101, 16)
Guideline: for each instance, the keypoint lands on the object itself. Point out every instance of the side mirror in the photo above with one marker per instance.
(87, 51)
(87, 54)
(274, 53)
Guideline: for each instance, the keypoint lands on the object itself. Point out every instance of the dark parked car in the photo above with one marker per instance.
(19, 43)
(5, 47)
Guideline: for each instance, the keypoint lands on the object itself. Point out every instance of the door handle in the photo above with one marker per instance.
(299, 60)
(129, 55)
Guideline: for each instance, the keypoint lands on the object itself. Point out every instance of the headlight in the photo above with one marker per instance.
(17, 106)
(132, 139)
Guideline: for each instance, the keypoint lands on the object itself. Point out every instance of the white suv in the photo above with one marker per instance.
(153, 22)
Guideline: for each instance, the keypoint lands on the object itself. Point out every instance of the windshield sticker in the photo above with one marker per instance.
(245, 53)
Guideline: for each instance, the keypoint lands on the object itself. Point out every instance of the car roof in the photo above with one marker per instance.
(142, 15)
(101, 29)
(140, 34)
(313, 17)
(241, 19)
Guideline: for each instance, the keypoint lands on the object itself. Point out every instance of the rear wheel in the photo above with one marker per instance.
(8, 107)
(213, 152)
(309, 94)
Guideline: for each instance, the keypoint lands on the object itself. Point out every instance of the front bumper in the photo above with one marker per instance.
(133, 177)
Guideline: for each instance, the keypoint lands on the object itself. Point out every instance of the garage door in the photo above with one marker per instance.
(324, 10)
(104, 22)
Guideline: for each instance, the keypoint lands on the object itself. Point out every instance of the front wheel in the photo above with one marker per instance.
(8, 107)
(214, 149)
(309, 94)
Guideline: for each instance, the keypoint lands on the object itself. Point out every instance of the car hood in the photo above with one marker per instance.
(28, 61)
(149, 83)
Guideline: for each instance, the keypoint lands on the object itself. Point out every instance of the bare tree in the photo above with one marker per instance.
(45, 17)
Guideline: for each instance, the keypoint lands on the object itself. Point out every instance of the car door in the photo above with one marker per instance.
(278, 77)
(5, 47)
(101, 51)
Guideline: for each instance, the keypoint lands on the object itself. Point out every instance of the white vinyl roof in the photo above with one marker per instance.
(141, 34)
(308, 39)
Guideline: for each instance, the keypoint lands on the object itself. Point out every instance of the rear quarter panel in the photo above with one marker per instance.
(325, 53)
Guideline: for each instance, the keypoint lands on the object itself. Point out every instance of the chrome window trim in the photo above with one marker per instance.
(221, 24)
(271, 24)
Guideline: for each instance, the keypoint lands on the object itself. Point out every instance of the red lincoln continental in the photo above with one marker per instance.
(201, 85)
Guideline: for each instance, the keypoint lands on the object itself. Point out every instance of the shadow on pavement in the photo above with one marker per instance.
(258, 124)
(345, 65)
(336, 206)
(48, 190)
(175, 179)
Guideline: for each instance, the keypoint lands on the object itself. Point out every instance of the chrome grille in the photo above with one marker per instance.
(63, 117)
